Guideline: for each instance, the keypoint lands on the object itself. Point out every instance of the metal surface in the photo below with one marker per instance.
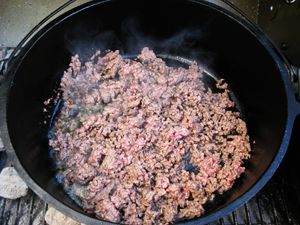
(290, 1)
(249, 8)
(280, 21)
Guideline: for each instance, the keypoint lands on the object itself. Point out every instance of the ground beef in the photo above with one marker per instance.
(145, 143)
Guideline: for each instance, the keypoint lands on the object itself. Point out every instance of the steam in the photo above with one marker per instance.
(84, 41)
(130, 38)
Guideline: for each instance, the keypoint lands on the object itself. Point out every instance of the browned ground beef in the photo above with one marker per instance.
(143, 143)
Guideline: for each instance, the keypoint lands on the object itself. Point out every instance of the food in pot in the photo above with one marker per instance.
(140, 142)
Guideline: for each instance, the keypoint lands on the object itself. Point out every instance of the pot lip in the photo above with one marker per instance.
(261, 37)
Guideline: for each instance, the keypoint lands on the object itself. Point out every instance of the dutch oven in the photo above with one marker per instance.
(229, 46)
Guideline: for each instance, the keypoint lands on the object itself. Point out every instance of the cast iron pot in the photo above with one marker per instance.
(226, 44)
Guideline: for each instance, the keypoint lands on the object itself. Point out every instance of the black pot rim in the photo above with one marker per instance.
(293, 109)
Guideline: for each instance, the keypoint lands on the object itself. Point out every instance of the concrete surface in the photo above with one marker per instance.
(11, 184)
(18, 17)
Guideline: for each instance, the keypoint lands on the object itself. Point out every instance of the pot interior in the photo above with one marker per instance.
(179, 28)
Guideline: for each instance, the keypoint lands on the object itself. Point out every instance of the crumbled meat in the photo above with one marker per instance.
(144, 143)
(106, 210)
